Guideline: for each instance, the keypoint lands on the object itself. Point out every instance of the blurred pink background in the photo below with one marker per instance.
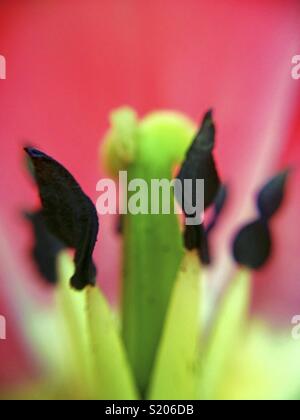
(70, 62)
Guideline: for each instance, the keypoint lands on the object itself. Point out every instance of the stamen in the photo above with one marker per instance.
(46, 247)
(69, 214)
(271, 196)
(199, 164)
(253, 244)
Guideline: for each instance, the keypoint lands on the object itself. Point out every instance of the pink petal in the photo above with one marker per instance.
(277, 287)
(70, 63)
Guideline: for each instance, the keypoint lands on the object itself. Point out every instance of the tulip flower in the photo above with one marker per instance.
(187, 56)
(160, 346)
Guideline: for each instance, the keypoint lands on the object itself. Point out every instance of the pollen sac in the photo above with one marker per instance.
(204, 248)
(200, 164)
(252, 246)
(46, 247)
(271, 196)
(69, 214)
(195, 237)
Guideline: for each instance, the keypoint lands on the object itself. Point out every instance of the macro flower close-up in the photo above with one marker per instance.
(149, 201)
